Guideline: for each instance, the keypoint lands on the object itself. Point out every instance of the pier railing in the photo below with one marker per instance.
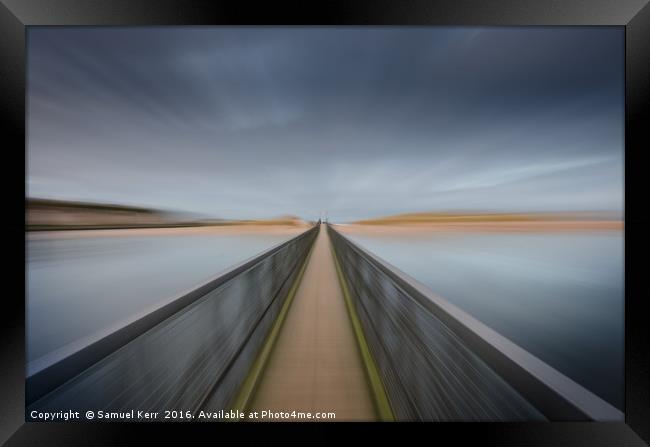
(190, 354)
(439, 363)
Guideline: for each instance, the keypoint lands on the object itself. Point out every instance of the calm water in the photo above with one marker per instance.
(77, 287)
(558, 295)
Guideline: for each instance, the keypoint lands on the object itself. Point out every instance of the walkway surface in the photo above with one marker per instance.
(316, 365)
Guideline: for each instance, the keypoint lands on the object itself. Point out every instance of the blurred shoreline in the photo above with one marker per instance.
(508, 226)
(224, 230)
(45, 215)
(497, 222)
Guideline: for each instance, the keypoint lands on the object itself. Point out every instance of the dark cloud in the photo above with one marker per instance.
(357, 121)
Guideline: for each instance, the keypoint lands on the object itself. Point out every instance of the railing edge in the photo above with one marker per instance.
(503, 355)
(380, 396)
(49, 378)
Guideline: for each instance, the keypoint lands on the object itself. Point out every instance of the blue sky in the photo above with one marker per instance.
(360, 122)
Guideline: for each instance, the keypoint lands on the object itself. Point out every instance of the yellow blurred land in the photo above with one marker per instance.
(50, 215)
(282, 220)
(412, 223)
(204, 230)
(434, 217)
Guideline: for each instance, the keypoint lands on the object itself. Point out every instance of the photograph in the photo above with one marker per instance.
(290, 223)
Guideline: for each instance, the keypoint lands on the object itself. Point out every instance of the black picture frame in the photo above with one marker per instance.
(634, 15)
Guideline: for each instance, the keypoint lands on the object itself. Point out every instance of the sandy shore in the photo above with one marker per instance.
(506, 227)
(218, 230)
(361, 229)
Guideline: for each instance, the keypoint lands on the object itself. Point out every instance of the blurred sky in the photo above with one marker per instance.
(361, 122)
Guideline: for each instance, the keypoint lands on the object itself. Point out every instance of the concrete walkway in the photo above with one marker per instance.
(315, 365)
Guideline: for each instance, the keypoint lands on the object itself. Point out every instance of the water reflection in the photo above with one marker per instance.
(78, 286)
(560, 296)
